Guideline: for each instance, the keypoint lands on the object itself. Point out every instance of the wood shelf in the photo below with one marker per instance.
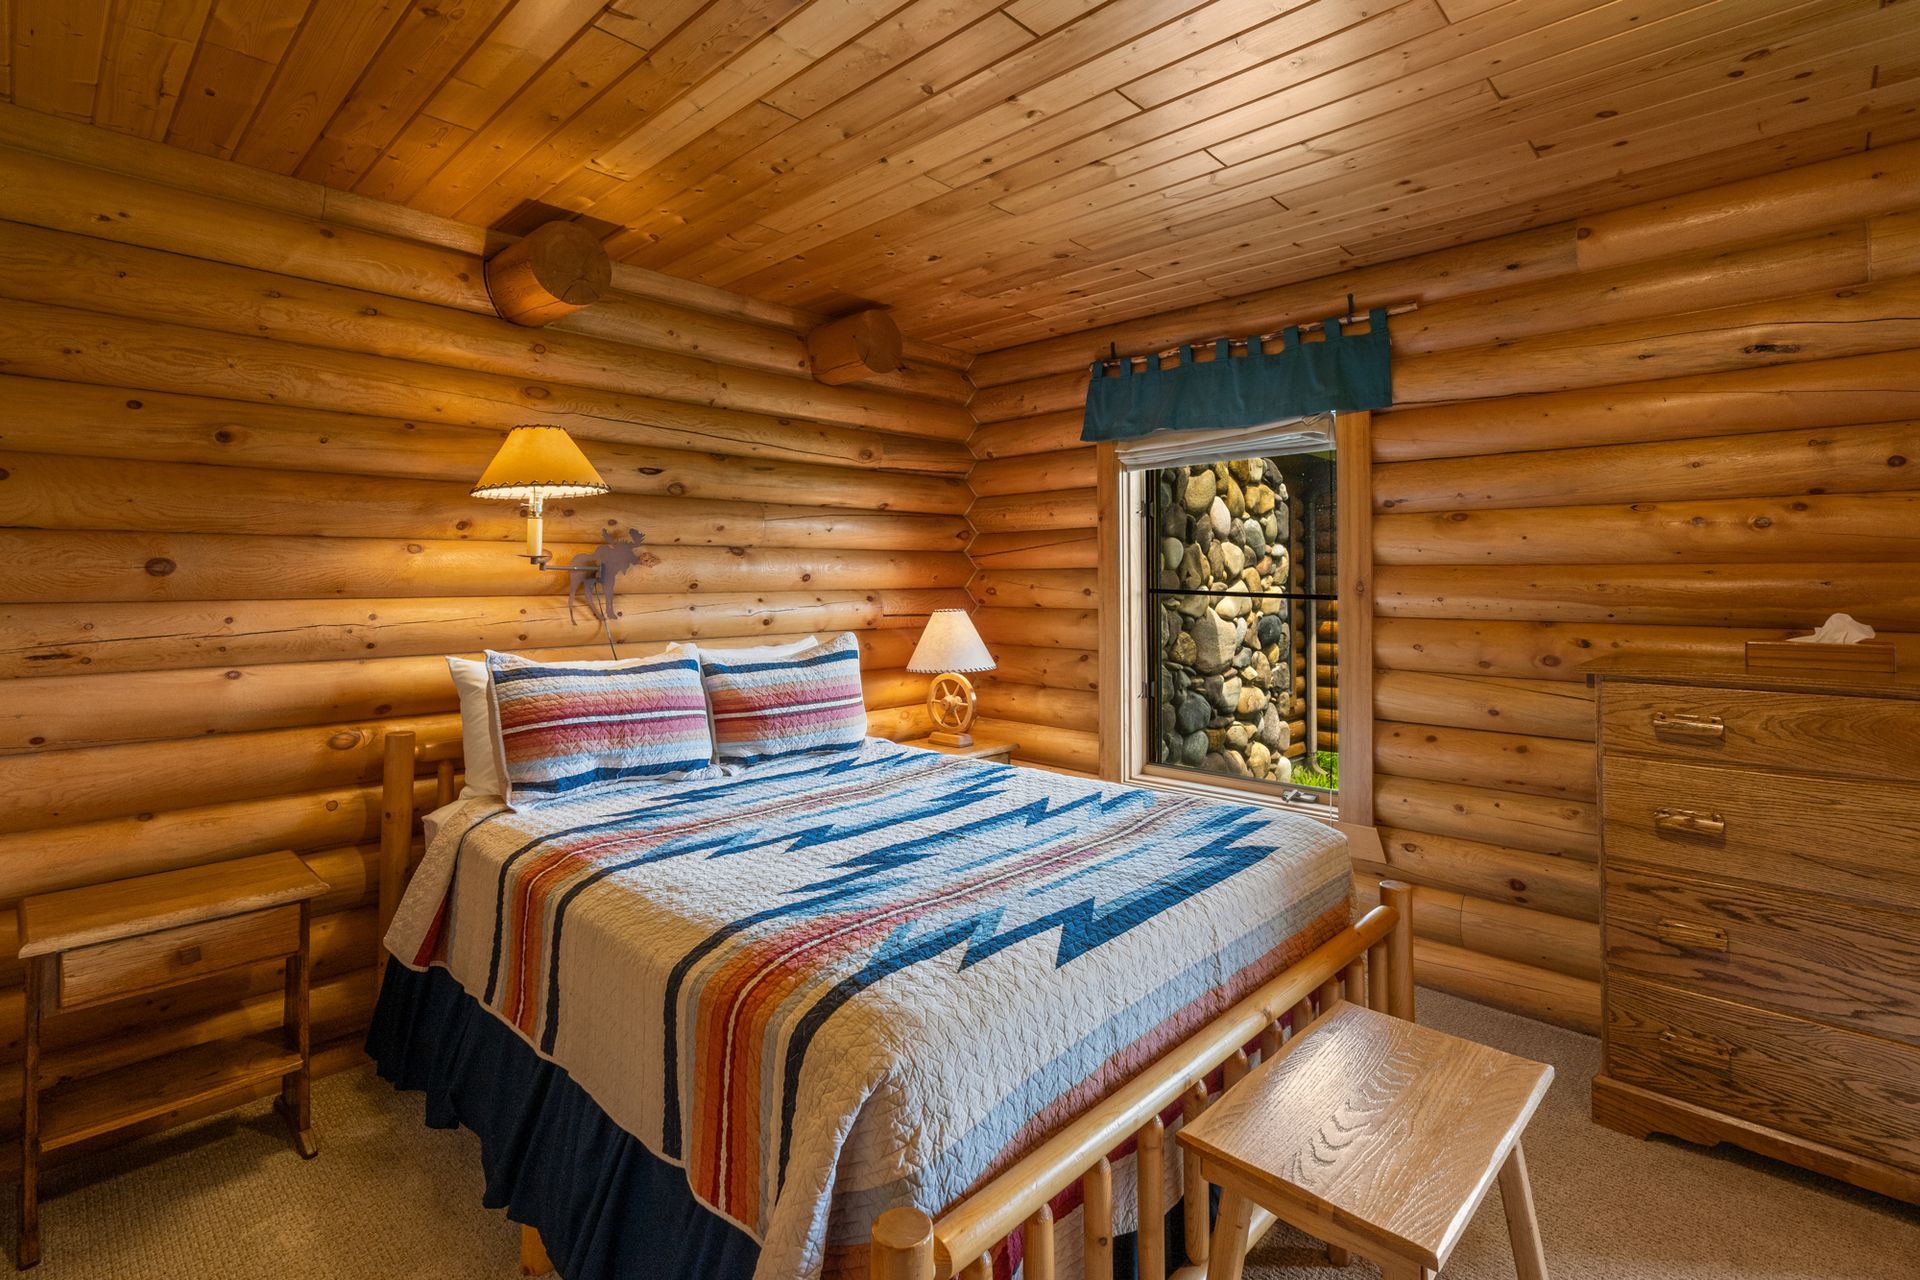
(87, 1108)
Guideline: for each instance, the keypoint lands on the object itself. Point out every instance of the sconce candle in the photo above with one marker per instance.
(536, 463)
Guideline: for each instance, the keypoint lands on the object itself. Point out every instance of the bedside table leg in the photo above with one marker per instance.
(27, 1247)
(295, 1103)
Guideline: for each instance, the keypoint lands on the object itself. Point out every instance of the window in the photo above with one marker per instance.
(1229, 589)
(1241, 590)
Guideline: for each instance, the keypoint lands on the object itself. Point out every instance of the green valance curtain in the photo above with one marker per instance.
(1347, 372)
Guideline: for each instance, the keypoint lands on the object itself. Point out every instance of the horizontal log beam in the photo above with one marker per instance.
(1547, 708)
(1022, 437)
(1034, 473)
(1558, 650)
(1835, 528)
(1035, 549)
(59, 712)
(1036, 588)
(1524, 989)
(838, 468)
(1825, 393)
(1762, 595)
(49, 491)
(42, 639)
(57, 788)
(1537, 939)
(1056, 708)
(1872, 458)
(86, 567)
(1520, 877)
(66, 344)
(148, 285)
(1068, 509)
(1540, 823)
(1551, 767)
(1043, 628)
(1045, 743)
(1053, 667)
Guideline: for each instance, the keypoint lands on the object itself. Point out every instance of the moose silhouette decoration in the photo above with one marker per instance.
(592, 575)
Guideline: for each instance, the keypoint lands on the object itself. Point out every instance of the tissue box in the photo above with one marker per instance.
(1782, 655)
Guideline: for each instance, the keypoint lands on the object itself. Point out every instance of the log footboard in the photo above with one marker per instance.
(1369, 963)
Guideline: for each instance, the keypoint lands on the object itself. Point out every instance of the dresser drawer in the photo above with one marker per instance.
(1847, 1090)
(1857, 840)
(1825, 960)
(110, 970)
(1852, 737)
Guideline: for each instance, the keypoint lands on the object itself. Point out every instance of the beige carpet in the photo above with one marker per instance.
(389, 1198)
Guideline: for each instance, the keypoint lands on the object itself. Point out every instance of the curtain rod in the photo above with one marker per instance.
(1352, 316)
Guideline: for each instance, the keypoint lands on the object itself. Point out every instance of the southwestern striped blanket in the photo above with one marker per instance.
(853, 980)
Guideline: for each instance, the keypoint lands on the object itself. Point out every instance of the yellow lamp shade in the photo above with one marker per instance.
(539, 462)
(950, 644)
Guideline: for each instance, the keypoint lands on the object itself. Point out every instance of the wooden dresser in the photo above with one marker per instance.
(1761, 913)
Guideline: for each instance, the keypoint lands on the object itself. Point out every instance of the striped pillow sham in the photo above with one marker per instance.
(567, 727)
(770, 708)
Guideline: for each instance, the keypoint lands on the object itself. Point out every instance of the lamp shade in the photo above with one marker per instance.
(539, 462)
(950, 644)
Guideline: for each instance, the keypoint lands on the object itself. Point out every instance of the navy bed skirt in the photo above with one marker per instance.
(606, 1207)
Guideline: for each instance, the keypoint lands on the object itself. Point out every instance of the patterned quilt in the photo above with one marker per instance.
(849, 981)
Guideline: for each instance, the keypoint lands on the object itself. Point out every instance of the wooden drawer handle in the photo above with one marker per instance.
(1689, 822)
(1703, 1050)
(187, 955)
(1688, 933)
(1688, 727)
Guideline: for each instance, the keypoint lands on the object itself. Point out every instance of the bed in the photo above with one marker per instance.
(767, 1026)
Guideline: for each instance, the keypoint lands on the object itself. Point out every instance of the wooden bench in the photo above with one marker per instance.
(1377, 1136)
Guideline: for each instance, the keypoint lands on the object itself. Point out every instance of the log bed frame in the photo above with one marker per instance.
(1369, 963)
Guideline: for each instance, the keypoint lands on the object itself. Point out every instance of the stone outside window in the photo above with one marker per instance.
(1242, 589)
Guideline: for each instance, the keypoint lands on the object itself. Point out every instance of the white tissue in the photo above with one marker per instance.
(1841, 628)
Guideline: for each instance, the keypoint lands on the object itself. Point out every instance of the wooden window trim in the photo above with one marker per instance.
(1123, 748)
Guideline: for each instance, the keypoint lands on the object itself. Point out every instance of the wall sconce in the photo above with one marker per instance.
(536, 463)
(950, 645)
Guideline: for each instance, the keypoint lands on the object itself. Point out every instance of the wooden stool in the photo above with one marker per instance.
(1378, 1136)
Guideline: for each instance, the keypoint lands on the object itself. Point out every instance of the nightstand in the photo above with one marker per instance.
(131, 938)
(982, 749)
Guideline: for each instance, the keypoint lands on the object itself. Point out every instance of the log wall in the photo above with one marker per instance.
(1668, 427)
(239, 416)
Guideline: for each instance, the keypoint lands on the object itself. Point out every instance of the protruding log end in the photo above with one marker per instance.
(855, 347)
(902, 1246)
(553, 271)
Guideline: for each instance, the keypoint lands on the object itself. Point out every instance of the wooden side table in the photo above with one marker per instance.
(128, 938)
(979, 749)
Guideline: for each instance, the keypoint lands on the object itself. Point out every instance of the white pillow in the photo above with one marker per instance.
(479, 729)
(480, 722)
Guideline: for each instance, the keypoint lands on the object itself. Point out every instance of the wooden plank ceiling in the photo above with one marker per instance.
(995, 170)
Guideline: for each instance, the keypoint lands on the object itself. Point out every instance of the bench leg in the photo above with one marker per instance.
(1516, 1196)
(1336, 1256)
(1229, 1254)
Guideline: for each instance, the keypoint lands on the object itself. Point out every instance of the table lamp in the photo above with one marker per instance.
(536, 463)
(950, 646)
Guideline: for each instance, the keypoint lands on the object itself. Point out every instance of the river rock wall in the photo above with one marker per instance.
(1228, 701)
